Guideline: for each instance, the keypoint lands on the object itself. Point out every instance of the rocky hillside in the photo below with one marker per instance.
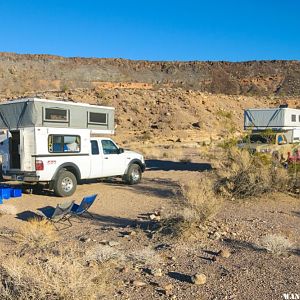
(168, 115)
(26, 73)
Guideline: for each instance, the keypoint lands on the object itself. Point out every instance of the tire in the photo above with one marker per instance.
(65, 184)
(134, 174)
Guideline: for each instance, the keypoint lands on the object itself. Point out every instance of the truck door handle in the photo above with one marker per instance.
(105, 157)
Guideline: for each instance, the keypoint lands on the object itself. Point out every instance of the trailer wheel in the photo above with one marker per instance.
(134, 174)
(65, 184)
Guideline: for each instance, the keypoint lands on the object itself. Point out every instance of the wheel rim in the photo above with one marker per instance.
(135, 174)
(67, 184)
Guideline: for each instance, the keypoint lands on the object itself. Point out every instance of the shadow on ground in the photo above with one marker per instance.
(167, 165)
(97, 219)
(163, 188)
(238, 244)
(180, 277)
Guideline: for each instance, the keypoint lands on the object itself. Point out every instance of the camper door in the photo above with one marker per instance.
(4, 149)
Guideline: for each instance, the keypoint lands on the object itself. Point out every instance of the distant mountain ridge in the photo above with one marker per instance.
(21, 73)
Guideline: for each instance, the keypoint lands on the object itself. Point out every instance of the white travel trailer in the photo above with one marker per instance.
(54, 143)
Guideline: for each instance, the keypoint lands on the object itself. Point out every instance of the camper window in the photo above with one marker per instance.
(294, 118)
(97, 118)
(63, 143)
(56, 115)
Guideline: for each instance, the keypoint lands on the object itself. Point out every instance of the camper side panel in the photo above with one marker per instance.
(263, 118)
(292, 118)
(60, 146)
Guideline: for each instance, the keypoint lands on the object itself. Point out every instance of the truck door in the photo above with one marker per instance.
(113, 160)
(96, 160)
(4, 149)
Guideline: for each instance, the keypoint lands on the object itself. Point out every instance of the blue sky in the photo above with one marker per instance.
(153, 30)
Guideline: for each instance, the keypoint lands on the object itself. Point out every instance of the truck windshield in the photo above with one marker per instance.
(259, 138)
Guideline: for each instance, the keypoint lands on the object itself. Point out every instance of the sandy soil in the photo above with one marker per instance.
(249, 273)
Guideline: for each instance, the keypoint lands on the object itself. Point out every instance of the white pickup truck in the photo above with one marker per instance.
(53, 144)
(59, 161)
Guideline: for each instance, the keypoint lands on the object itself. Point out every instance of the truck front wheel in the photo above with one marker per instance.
(65, 184)
(134, 174)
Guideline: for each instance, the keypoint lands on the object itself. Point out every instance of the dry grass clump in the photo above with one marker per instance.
(103, 254)
(51, 277)
(146, 256)
(276, 244)
(199, 205)
(244, 175)
(7, 209)
(151, 152)
(37, 234)
(44, 267)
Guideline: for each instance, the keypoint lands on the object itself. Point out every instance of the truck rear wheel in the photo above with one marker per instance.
(134, 174)
(65, 184)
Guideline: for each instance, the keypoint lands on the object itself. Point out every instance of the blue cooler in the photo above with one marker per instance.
(5, 192)
(15, 192)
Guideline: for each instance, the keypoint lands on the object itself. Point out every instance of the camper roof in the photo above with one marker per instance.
(68, 102)
(273, 108)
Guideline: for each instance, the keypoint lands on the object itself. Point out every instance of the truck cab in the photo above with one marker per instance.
(277, 144)
(105, 159)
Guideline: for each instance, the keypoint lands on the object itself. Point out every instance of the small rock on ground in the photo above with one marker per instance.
(198, 279)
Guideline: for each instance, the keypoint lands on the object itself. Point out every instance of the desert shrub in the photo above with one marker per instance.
(244, 175)
(224, 114)
(103, 254)
(199, 205)
(145, 136)
(275, 244)
(52, 269)
(228, 143)
(146, 257)
(37, 234)
(51, 277)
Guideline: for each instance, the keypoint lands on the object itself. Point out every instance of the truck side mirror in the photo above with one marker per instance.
(121, 150)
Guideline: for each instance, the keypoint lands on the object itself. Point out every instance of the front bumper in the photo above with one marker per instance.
(20, 176)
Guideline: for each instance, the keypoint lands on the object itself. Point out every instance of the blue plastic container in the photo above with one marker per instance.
(15, 192)
(1, 201)
(5, 192)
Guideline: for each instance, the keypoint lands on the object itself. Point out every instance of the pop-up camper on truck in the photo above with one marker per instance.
(57, 143)
(274, 131)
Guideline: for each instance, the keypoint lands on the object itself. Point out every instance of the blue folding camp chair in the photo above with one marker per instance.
(83, 207)
(59, 214)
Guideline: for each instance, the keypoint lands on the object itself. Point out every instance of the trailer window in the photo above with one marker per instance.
(56, 115)
(97, 118)
(63, 143)
(294, 118)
